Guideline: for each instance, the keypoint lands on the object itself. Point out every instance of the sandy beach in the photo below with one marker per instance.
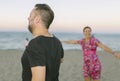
(70, 70)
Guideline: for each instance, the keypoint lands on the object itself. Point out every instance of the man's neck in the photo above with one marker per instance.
(42, 33)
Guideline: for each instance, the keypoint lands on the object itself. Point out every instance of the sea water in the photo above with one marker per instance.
(16, 40)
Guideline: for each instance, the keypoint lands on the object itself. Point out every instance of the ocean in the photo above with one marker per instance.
(17, 40)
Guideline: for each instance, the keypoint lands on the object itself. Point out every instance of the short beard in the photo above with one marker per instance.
(30, 28)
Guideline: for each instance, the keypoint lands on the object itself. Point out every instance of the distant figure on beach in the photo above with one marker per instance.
(26, 41)
(44, 53)
(92, 64)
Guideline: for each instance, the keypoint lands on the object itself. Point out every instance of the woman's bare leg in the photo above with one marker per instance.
(97, 80)
(87, 78)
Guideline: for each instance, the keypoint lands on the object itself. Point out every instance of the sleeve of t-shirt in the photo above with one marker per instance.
(62, 52)
(36, 54)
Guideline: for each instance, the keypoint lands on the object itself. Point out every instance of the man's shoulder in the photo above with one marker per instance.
(56, 38)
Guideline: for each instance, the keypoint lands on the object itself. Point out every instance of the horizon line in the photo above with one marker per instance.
(58, 32)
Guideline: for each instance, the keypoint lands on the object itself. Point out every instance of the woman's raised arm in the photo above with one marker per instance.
(70, 42)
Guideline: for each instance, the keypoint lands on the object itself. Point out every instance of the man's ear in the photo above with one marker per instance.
(37, 19)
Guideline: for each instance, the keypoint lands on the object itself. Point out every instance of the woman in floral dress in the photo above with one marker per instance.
(92, 64)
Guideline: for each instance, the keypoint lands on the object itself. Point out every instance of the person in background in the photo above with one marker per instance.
(92, 64)
(43, 55)
(26, 41)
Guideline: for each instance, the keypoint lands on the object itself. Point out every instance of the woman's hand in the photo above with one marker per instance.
(117, 55)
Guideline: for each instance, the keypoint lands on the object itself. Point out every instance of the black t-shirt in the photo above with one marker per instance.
(42, 51)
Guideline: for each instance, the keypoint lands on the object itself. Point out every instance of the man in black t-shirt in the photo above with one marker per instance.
(43, 55)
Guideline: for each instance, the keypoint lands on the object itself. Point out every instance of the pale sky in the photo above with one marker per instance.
(103, 16)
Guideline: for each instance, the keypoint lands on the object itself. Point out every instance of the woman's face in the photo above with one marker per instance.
(87, 32)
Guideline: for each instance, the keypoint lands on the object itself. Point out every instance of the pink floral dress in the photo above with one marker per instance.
(92, 65)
